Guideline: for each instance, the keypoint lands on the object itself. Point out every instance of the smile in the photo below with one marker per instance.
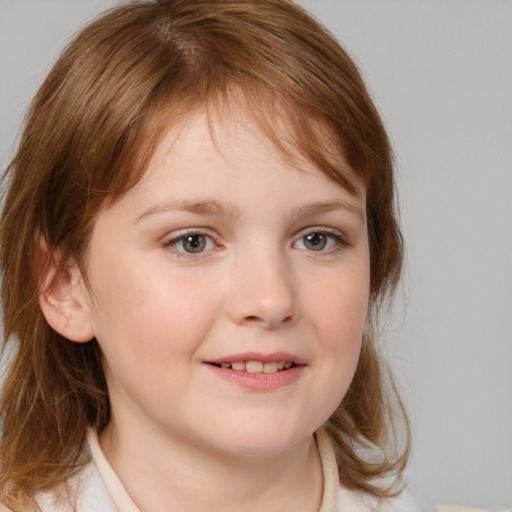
(258, 372)
(257, 366)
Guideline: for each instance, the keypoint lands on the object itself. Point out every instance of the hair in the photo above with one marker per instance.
(88, 137)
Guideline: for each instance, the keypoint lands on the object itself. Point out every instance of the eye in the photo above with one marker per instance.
(315, 241)
(320, 241)
(192, 243)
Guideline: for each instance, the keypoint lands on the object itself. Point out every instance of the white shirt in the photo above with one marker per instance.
(98, 488)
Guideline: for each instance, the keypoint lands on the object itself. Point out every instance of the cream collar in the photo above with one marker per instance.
(124, 503)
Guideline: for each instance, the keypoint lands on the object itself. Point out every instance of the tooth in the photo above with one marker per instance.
(225, 365)
(270, 367)
(288, 364)
(280, 365)
(238, 365)
(254, 366)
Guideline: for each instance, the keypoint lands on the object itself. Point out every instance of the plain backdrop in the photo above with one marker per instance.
(440, 72)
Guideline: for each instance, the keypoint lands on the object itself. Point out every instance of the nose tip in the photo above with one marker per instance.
(264, 296)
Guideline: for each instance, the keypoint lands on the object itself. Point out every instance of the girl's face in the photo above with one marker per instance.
(221, 268)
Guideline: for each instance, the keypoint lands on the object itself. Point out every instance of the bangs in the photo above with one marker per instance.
(298, 135)
(301, 138)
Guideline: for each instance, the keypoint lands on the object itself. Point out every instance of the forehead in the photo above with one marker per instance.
(239, 136)
(301, 141)
(207, 167)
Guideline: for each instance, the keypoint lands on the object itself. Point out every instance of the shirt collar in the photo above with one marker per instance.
(124, 503)
(118, 493)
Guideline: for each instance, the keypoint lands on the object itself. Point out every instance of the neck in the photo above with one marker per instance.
(165, 474)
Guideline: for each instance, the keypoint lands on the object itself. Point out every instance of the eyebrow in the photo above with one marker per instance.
(206, 208)
(312, 209)
(214, 208)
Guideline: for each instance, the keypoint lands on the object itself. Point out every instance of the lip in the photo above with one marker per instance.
(258, 382)
(257, 356)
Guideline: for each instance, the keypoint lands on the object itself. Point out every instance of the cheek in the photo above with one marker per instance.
(154, 316)
(339, 308)
(340, 303)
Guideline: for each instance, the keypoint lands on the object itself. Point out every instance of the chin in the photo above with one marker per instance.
(259, 440)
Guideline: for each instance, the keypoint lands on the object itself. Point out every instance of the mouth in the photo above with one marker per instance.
(258, 372)
(256, 366)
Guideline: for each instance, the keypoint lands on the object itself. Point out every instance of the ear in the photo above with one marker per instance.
(64, 298)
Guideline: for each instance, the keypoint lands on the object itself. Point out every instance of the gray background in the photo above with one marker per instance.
(440, 72)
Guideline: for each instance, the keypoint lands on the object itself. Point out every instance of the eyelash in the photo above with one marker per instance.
(340, 241)
(169, 243)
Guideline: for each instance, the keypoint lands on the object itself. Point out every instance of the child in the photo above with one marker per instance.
(198, 231)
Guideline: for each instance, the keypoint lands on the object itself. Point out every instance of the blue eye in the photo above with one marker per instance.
(193, 243)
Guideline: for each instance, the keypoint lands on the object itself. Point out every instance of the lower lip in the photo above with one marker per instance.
(259, 381)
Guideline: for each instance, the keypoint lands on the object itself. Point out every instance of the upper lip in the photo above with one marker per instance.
(257, 356)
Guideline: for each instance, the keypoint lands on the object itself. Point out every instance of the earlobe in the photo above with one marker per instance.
(64, 299)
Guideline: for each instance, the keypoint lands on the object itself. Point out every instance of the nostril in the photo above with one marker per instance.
(255, 319)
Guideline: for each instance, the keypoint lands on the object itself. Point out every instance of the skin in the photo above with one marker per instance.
(180, 436)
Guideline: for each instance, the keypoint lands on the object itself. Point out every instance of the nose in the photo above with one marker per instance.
(263, 292)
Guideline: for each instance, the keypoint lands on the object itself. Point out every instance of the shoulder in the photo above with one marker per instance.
(401, 503)
(85, 492)
(355, 501)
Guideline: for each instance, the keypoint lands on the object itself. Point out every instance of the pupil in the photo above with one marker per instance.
(194, 243)
(316, 241)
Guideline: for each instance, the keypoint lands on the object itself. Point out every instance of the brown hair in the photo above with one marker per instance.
(88, 137)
